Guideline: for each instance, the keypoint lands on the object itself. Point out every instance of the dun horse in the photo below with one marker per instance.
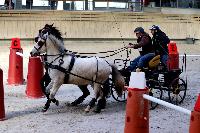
(65, 68)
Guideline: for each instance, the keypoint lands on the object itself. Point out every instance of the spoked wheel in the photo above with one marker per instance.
(177, 91)
(154, 91)
(123, 98)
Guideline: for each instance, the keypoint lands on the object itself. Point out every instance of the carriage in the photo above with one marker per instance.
(160, 78)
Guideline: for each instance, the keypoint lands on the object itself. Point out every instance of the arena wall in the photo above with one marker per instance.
(96, 25)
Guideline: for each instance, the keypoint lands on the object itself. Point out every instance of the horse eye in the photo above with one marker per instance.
(44, 31)
(36, 39)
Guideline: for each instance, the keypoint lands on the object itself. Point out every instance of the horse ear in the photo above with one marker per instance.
(52, 25)
(46, 25)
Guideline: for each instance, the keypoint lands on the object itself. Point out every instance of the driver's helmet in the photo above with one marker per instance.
(154, 27)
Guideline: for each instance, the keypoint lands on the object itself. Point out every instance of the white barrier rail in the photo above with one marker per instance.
(169, 105)
(20, 54)
(191, 55)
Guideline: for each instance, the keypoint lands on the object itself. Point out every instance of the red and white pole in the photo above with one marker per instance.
(195, 118)
(137, 110)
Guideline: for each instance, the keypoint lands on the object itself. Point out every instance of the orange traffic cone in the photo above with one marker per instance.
(137, 111)
(35, 74)
(15, 71)
(197, 104)
(195, 118)
(2, 109)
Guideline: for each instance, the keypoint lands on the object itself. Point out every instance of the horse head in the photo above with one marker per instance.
(48, 34)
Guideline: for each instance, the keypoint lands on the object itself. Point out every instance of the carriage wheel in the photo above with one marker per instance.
(123, 98)
(114, 94)
(154, 91)
(177, 91)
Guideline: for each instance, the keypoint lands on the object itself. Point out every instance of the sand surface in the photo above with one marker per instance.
(23, 114)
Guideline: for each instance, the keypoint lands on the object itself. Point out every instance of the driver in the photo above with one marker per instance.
(145, 48)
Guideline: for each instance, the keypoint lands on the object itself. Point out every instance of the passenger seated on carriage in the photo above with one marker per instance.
(160, 43)
(145, 48)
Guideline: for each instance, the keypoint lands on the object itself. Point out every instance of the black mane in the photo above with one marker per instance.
(54, 31)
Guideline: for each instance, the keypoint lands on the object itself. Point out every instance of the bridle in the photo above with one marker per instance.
(40, 44)
(43, 38)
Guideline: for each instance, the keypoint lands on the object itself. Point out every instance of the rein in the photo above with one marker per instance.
(81, 55)
(127, 52)
(114, 52)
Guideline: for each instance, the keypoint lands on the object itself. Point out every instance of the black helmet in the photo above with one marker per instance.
(139, 29)
(154, 27)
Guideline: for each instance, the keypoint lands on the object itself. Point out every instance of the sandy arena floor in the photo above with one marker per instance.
(24, 114)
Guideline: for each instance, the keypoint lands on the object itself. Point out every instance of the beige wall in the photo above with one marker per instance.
(25, 24)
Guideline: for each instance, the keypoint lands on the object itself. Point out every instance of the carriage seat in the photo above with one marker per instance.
(153, 63)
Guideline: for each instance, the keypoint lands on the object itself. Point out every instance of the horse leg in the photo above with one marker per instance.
(100, 105)
(54, 89)
(106, 92)
(44, 83)
(50, 99)
(94, 99)
(102, 100)
(47, 105)
(85, 91)
(48, 88)
(46, 91)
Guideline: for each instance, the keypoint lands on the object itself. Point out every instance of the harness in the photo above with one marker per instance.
(62, 69)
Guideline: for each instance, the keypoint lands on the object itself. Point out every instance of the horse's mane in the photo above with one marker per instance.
(54, 31)
(57, 34)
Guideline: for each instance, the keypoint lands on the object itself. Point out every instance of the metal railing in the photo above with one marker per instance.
(120, 5)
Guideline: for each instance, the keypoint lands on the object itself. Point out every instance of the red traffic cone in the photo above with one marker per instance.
(2, 109)
(35, 74)
(197, 104)
(195, 118)
(15, 71)
(173, 60)
(137, 111)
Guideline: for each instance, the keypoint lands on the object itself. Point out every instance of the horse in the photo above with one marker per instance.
(65, 68)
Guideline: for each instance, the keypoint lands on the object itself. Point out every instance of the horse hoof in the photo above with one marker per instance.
(73, 104)
(57, 103)
(87, 109)
(44, 110)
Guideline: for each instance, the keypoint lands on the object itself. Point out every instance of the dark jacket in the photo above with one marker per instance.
(145, 43)
(160, 42)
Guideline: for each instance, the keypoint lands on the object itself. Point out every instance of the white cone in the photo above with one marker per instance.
(137, 80)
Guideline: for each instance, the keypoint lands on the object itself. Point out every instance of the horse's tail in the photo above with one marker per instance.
(118, 80)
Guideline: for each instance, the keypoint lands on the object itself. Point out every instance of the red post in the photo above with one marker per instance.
(35, 74)
(2, 109)
(137, 111)
(15, 71)
(195, 118)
